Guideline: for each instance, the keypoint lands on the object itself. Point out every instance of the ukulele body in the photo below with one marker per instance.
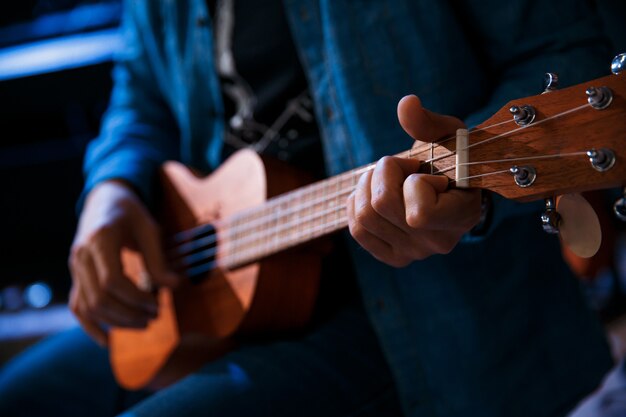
(199, 322)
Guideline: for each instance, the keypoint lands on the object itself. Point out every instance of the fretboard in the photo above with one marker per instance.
(288, 220)
(316, 210)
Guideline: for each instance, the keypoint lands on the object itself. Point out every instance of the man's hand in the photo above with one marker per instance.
(114, 217)
(400, 216)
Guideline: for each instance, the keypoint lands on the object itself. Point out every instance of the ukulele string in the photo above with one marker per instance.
(271, 205)
(429, 145)
(191, 259)
(187, 248)
(189, 234)
(186, 258)
(192, 233)
(254, 223)
(241, 257)
(504, 134)
(251, 253)
(496, 161)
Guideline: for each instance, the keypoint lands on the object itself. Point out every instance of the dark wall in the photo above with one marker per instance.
(45, 122)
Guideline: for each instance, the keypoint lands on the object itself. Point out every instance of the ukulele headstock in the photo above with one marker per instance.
(559, 142)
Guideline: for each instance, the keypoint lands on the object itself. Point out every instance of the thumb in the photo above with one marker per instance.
(422, 124)
(148, 239)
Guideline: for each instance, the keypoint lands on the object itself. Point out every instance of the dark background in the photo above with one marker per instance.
(46, 119)
(45, 122)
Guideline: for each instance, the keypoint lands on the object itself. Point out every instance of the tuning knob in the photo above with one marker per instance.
(550, 82)
(524, 176)
(550, 219)
(599, 98)
(601, 159)
(619, 64)
(619, 208)
(523, 115)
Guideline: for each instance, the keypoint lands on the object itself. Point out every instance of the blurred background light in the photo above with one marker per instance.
(38, 295)
(58, 54)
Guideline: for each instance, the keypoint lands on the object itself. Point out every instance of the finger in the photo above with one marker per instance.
(77, 306)
(148, 241)
(84, 278)
(422, 124)
(377, 247)
(469, 200)
(386, 188)
(108, 269)
(430, 206)
(102, 307)
(368, 217)
(430, 242)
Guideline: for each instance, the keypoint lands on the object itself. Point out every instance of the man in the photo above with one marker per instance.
(480, 331)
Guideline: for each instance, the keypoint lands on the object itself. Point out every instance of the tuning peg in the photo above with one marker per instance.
(523, 115)
(524, 176)
(550, 219)
(618, 64)
(601, 159)
(619, 208)
(550, 82)
(599, 98)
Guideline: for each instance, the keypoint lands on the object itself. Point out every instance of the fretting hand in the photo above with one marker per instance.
(399, 215)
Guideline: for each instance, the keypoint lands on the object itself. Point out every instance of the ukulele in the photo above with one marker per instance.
(250, 268)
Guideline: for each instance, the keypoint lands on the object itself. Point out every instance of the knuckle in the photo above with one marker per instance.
(413, 181)
(98, 236)
(385, 163)
(381, 201)
(102, 232)
(416, 217)
(357, 231)
(78, 253)
(365, 216)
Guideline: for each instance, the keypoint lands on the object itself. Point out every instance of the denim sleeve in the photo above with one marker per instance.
(138, 131)
(518, 42)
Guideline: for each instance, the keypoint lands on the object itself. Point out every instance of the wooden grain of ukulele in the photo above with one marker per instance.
(249, 270)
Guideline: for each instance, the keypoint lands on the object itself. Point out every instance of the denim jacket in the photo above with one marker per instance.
(495, 328)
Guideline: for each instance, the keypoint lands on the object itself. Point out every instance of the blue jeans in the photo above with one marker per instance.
(336, 369)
